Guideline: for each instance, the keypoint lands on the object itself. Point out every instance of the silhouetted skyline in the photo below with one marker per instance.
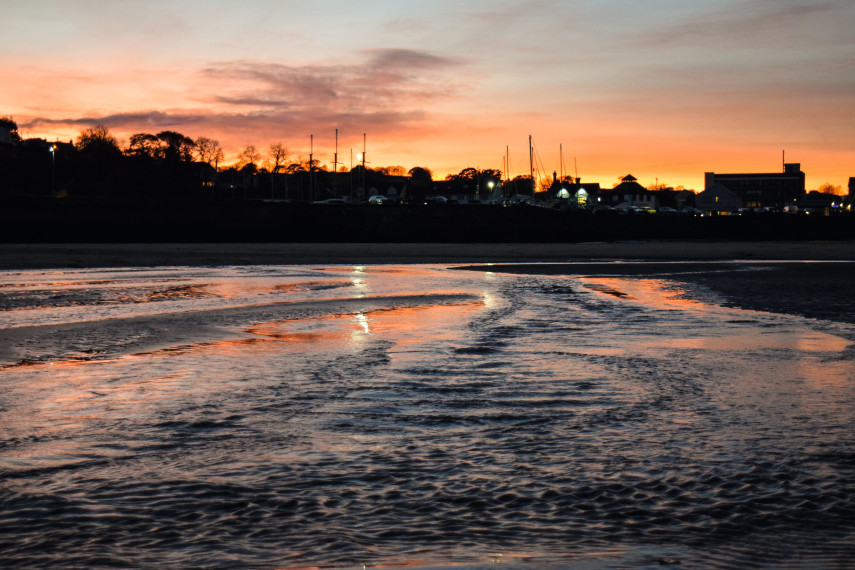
(665, 90)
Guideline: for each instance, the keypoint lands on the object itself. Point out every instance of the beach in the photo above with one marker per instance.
(818, 289)
(77, 255)
(578, 413)
(580, 405)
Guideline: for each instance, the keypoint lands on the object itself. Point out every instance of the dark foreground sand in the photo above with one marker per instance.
(44, 256)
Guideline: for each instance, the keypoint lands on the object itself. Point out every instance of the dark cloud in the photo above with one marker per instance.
(390, 77)
(409, 59)
(141, 120)
(391, 91)
(263, 123)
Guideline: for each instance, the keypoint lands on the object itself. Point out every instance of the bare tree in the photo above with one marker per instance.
(829, 188)
(392, 170)
(276, 161)
(249, 155)
(277, 157)
(209, 151)
(313, 164)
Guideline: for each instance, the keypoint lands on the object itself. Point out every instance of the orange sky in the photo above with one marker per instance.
(665, 89)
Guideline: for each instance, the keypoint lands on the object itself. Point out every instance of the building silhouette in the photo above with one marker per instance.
(763, 190)
(629, 194)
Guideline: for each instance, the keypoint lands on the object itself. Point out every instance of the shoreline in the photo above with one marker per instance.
(66, 255)
(815, 290)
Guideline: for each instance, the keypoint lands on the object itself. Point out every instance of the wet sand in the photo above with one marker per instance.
(817, 290)
(46, 256)
(122, 335)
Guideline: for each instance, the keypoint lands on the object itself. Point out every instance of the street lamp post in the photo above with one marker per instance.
(53, 169)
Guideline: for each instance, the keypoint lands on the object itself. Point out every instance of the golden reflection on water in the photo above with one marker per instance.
(666, 295)
(654, 293)
(410, 325)
(401, 325)
(464, 415)
(78, 383)
(326, 284)
(826, 374)
(80, 392)
(803, 340)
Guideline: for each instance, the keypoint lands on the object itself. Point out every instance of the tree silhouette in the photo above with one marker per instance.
(99, 171)
(143, 145)
(276, 157)
(830, 189)
(209, 151)
(392, 170)
(97, 139)
(467, 174)
(519, 185)
(10, 124)
(490, 175)
(421, 174)
(420, 181)
(249, 156)
(176, 147)
(294, 168)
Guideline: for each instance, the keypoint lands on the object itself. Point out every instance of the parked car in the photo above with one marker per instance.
(690, 211)
(636, 210)
(667, 211)
(377, 199)
(436, 200)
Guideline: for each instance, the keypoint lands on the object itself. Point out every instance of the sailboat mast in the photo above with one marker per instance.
(531, 166)
(311, 165)
(507, 163)
(364, 189)
(335, 166)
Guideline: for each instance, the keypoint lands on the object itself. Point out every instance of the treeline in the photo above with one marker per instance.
(171, 164)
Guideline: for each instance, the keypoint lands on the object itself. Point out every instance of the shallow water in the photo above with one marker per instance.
(346, 416)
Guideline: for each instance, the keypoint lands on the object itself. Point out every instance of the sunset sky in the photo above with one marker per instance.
(662, 89)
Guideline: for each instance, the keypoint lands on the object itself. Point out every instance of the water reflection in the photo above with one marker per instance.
(527, 420)
(654, 293)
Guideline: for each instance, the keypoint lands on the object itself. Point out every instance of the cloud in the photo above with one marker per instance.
(751, 23)
(396, 78)
(408, 59)
(153, 120)
(389, 91)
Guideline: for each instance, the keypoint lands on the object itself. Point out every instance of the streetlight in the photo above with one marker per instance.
(52, 169)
